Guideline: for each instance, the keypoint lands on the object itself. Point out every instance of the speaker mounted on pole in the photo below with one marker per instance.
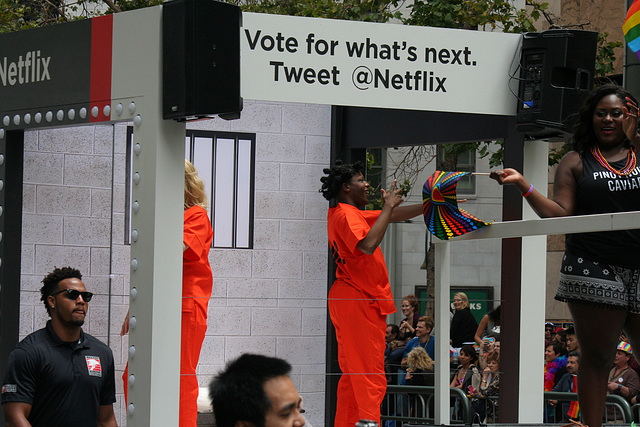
(557, 70)
(200, 59)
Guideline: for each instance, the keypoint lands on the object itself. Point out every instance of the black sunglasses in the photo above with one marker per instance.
(73, 294)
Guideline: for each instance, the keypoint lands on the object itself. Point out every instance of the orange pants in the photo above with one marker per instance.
(194, 327)
(360, 330)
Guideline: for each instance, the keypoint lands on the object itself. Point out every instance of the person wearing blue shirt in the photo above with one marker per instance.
(423, 339)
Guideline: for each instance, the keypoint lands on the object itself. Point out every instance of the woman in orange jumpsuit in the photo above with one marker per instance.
(197, 283)
(360, 298)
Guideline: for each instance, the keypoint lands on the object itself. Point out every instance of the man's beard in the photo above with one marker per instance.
(79, 322)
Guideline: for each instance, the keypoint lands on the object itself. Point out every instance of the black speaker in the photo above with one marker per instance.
(557, 70)
(200, 59)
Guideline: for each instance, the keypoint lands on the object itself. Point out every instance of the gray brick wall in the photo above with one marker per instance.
(270, 300)
(68, 219)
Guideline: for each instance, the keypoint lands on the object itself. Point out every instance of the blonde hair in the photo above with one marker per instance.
(194, 194)
(463, 297)
(418, 358)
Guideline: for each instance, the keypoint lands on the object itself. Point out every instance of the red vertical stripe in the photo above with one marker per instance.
(101, 54)
(635, 7)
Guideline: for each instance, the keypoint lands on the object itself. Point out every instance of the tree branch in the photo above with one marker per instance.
(114, 7)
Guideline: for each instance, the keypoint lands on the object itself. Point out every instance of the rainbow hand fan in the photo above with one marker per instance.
(631, 28)
(440, 207)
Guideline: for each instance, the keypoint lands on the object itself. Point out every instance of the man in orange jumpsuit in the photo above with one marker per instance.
(360, 298)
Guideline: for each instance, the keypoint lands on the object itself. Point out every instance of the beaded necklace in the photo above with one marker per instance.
(628, 167)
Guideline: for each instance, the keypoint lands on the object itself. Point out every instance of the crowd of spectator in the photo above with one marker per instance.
(562, 360)
(410, 360)
(410, 355)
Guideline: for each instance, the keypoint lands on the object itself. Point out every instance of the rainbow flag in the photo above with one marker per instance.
(631, 27)
(574, 407)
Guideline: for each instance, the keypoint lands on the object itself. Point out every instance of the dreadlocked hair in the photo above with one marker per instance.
(336, 176)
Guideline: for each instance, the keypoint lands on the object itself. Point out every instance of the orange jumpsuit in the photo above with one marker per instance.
(197, 283)
(359, 302)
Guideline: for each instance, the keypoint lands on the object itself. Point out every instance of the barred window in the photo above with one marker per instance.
(226, 163)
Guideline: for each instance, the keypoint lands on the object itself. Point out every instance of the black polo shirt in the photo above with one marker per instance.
(64, 382)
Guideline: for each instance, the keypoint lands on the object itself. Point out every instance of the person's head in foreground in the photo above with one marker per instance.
(256, 391)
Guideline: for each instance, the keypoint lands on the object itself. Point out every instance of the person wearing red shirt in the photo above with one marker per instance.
(360, 298)
(197, 284)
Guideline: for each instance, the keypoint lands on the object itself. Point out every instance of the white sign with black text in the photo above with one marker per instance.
(337, 62)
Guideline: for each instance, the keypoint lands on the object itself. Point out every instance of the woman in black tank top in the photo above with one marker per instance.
(600, 275)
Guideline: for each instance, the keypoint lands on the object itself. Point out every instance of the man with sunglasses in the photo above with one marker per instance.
(59, 375)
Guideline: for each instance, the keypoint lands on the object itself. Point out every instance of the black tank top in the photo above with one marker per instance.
(602, 191)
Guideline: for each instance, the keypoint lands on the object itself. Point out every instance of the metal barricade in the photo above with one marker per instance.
(415, 404)
(617, 409)
(635, 411)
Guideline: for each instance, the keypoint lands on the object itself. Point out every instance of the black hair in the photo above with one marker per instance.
(574, 353)
(394, 329)
(469, 350)
(51, 281)
(237, 393)
(336, 176)
(571, 330)
(493, 335)
(495, 314)
(558, 348)
(563, 335)
(584, 136)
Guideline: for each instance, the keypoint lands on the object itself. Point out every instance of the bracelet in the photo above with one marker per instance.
(528, 193)
(619, 386)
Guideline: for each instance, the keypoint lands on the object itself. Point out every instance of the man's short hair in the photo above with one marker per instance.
(237, 393)
(51, 281)
(571, 330)
(575, 354)
(428, 321)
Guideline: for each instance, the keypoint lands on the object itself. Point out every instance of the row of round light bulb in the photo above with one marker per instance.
(71, 114)
(137, 149)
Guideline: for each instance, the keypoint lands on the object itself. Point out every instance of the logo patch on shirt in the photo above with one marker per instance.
(9, 388)
(93, 366)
